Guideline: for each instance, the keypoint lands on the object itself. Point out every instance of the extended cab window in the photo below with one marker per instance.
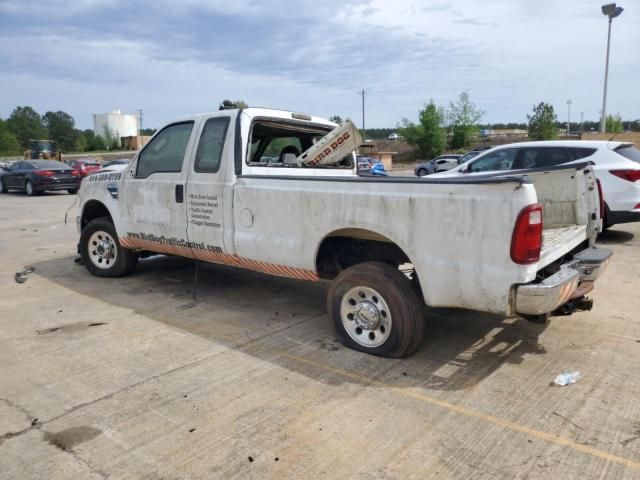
(211, 145)
(278, 144)
(165, 153)
(500, 160)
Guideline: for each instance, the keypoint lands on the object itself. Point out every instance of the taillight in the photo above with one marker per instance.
(526, 241)
(44, 173)
(601, 195)
(628, 175)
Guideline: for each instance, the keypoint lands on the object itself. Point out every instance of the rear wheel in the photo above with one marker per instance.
(101, 251)
(376, 309)
(3, 187)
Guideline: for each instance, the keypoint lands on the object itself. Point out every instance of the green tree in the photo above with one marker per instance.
(111, 138)
(428, 134)
(26, 124)
(8, 142)
(230, 105)
(613, 124)
(61, 128)
(542, 123)
(336, 119)
(464, 117)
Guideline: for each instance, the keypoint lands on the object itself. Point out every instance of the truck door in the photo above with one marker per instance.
(205, 190)
(152, 196)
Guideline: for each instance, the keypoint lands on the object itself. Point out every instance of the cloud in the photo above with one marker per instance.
(176, 57)
(472, 21)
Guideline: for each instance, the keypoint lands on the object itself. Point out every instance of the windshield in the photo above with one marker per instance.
(629, 152)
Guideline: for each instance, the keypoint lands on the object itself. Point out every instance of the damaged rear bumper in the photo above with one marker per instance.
(573, 280)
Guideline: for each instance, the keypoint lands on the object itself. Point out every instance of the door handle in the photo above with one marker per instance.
(179, 193)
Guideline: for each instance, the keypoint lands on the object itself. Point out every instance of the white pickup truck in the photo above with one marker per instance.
(226, 188)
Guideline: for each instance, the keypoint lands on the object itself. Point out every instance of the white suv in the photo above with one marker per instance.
(617, 166)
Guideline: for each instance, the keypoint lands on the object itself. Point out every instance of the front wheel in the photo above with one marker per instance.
(422, 172)
(376, 309)
(101, 251)
(29, 189)
(72, 191)
(3, 187)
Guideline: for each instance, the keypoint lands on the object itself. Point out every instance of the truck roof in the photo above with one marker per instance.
(253, 112)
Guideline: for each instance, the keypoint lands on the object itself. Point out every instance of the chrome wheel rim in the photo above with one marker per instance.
(103, 251)
(29, 188)
(366, 316)
(422, 173)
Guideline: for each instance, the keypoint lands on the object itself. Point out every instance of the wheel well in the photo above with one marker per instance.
(94, 209)
(345, 248)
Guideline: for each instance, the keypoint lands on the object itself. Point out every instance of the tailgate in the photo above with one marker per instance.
(571, 209)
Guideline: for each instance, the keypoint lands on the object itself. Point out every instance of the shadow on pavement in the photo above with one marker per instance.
(612, 237)
(282, 321)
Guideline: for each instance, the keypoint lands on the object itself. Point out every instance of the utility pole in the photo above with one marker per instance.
(568, 117)
(612, 11)
(364, 131)
(140, 115)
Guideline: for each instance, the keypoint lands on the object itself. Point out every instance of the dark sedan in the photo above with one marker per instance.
(37, 176)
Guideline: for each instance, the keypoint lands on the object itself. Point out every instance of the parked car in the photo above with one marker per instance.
(393, 136)
(438, 164)
(84, 167)
(198, 190)
(364, 164)
(617, 166)
(117, 161)
(37, 176)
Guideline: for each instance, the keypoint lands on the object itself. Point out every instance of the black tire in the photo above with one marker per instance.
(125, 260)
(399, 294)
(30, 189)
(422, 172)
(72, 191)
(3, 188)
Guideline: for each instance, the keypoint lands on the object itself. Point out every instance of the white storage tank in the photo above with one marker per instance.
(120, 124)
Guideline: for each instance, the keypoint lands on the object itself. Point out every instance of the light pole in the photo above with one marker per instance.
(568, 117)
(612, 11)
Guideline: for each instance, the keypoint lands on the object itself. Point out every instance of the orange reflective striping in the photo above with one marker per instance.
(221, 258)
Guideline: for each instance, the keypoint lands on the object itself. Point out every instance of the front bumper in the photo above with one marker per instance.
(574, 279)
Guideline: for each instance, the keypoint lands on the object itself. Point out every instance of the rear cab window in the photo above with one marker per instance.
(629, 152)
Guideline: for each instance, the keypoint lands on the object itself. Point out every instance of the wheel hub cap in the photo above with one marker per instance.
(366, 315)
(102, 250)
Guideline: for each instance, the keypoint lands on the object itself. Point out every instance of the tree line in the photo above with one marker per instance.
(456, 127)
(25, 124)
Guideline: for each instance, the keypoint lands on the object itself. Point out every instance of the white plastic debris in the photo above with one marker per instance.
(567, 378)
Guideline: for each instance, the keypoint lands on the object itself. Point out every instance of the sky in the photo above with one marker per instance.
(175, 58)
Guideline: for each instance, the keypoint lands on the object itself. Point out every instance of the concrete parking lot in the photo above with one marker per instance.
(134, 378)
